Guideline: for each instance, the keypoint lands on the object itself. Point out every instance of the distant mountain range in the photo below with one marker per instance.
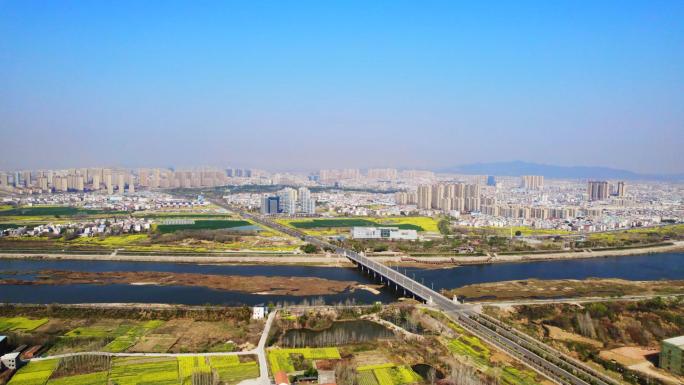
(517, 168)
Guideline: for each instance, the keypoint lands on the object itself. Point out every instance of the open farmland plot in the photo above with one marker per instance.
(404, 223)
(387, 374)
(148, 371)
(131, 336)
(34, 373)
(97, 378)
(231, 371)
(53, 211)
(187, 366)
(203, 225)
(20, 324)
(281, 359)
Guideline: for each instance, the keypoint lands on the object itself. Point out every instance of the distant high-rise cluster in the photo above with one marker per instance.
(597, 190)
(533, 182)
(382, 173)
(406, 198)
(601, 190)
(459, 196)
(328, 176)
(289, 201)
(117, 180)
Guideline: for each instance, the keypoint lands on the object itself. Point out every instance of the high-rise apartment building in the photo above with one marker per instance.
(424, 197)
(597, 190)
(307, 205)
(270, 205)
(620, 189)
(288, 201)
(533, 182)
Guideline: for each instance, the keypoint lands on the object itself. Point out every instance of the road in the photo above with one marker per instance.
(551, 363)
(574, 300)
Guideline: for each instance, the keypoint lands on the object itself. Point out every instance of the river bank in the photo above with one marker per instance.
(336, 260)
(262, 285)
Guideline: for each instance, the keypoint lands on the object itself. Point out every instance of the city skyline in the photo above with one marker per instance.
(307, 85)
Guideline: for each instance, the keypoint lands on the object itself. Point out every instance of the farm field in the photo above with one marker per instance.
(20, 324)
(409, 223)
(68, 335)
(35, 373)
(282, 360)
(53, 211)
(387, 374)
(203, 225)
(142, 370)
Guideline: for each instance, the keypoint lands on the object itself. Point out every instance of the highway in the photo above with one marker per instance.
(551, 363)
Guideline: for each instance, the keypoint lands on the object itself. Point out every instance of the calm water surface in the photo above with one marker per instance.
(644, 267)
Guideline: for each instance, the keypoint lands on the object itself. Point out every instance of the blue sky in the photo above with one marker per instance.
(303, 85)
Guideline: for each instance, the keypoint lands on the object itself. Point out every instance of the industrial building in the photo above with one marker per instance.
(671, 351)
(390, 233)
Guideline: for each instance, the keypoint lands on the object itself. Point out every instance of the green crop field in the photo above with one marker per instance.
(189, 365)
(513, 376)
(387, 374)
(97, 378)
(99, 331)
(54, 211)
(230, 370)
(471, 347)
(367, 377)
(402, 223)
(143, 371)
(280, 360)
(131, 336)
(133, 371)
(34, 373)
(20, 323)
(204, 225)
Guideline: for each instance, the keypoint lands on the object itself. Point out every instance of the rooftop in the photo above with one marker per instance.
(676, 341)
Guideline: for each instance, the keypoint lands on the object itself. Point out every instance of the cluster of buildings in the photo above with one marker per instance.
(289, 201)
(384, 233)
(90, 228)
(451, 197)
(601, 190)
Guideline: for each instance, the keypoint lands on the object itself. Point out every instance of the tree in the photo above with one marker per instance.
(309, 248)
(444, 226)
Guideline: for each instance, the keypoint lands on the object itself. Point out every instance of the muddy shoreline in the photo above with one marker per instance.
(262, 285)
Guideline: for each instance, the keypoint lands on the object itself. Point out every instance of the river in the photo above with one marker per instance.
(642, 267)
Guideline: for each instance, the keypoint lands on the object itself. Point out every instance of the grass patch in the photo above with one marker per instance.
(20, 323)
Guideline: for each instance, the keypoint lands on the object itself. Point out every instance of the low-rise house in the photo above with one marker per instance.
(671, 352)
(10, 360)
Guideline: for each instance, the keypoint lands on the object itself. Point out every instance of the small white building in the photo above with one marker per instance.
(259, 312)
(10, 360)
(390, 233)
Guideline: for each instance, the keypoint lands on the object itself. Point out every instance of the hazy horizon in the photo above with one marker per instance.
(310, 85)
